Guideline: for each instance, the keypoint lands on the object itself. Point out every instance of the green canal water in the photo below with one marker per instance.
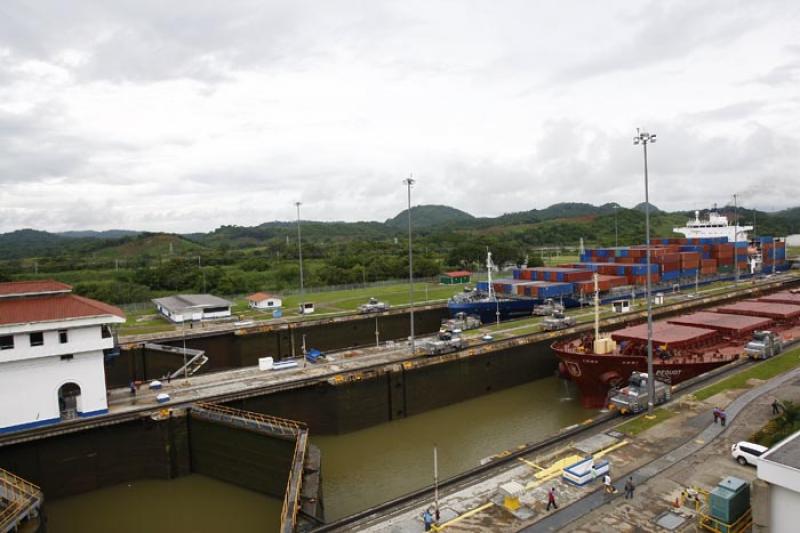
(359, 469)
(367, 467)
(191, 504)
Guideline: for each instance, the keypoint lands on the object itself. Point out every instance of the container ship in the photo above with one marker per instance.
(683, 346)
(674, 263)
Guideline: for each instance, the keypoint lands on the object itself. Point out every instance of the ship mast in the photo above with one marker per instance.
(595, 277)
(489, 266)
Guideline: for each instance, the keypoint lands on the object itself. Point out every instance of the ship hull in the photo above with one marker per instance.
(595, 375)
(508, 308)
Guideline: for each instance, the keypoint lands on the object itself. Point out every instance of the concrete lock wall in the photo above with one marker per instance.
(227, 351)
(375, 397)
(69, 464)
(241, 457)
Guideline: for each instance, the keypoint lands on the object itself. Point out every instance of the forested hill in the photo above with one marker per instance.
(428, 216)
(562, 223)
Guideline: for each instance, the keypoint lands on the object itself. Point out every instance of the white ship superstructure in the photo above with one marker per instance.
(715, 225)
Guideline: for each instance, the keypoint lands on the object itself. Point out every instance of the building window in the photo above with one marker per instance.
(62, 336)
(7, 342)
(37, 339)
(105, 332)
(67, 357)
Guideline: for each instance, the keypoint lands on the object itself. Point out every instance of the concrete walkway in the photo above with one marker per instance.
(560, 519)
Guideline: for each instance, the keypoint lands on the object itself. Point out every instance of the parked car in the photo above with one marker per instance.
(746, 453)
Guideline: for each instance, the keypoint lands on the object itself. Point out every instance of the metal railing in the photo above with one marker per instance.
(21, 498)
(280, 426)
(291, 496)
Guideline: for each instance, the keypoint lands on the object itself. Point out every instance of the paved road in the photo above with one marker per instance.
(564, 516)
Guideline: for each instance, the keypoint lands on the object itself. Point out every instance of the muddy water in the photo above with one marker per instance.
(359, 469)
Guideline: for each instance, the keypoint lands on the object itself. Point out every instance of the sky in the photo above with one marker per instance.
(182, 116)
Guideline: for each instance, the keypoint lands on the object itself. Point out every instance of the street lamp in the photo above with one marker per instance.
(300, 254)
(409, 182)
(735, 239)
(616, 232)
(644, 139)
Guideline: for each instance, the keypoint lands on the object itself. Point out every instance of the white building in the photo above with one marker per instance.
(191, 307)
(51, 353)
(262, 300)
(776, 493)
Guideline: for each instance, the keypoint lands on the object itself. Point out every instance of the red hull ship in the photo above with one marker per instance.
(683, 346)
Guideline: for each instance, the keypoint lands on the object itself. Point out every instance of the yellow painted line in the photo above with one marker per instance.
(462, 517)
(555, 468)
(611, 448)
(531, 464)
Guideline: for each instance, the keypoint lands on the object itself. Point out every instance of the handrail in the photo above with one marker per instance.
(294, 484)
(223, 410)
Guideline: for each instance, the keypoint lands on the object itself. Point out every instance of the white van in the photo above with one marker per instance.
(746, 453)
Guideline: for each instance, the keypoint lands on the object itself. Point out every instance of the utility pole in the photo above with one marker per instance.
(616, 231)
(735, 240)
(409, 182)
(300, 255)
(644, 139)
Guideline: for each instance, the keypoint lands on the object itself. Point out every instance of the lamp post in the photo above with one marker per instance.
(644, 139)
(300, 254)
(735, 240)
(409, 182)
(616, 231)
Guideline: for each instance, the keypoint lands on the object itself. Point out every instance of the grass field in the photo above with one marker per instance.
(330, 302)
(641, 423)
(766, 370)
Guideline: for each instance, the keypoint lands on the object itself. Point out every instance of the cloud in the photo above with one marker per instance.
(182, 116)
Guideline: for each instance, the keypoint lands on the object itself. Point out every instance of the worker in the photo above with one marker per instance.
(716, 414)
(722, 417)
(551, 498)
(629, 487)
(133, 388)
(609, 488)
(776, 407)
(427, 519)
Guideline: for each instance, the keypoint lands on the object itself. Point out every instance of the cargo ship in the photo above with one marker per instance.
(683, 346)
(675, 263)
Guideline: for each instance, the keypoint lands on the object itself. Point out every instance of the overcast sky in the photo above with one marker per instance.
(185, 115)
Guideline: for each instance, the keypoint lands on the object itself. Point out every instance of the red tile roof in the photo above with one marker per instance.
(458, 273)
(56, 307)
(261, 296)
(32, 286)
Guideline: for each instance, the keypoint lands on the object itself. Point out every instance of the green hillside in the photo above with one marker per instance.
(428, 216)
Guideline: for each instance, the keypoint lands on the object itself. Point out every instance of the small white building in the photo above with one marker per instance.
(52, 345)
(776, 492)
(263, 300)
(192, 307)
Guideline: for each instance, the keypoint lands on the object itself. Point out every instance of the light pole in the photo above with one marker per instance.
(409, 182)
(644, 139)
(300, 254)
(616, 231)
(735, 240)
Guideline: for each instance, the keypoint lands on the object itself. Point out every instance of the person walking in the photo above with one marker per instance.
(629, 486)
(716, 414)
(551, 498)
(722, 417)
(609, 488)
(133, 388)
(776, 407)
